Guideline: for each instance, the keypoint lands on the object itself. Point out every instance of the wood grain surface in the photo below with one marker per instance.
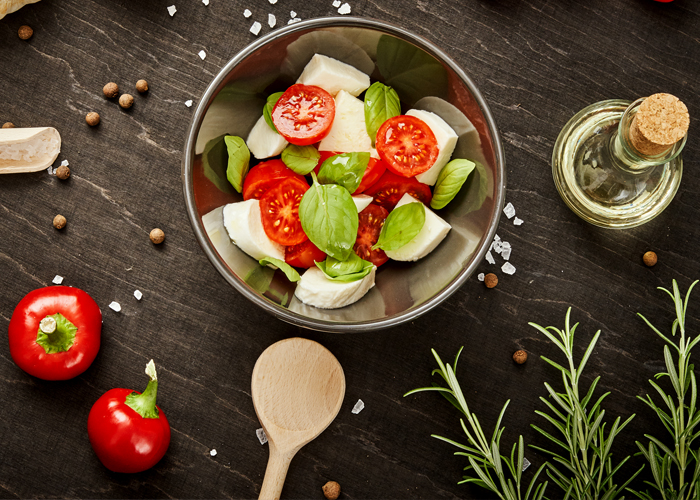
(537, 62)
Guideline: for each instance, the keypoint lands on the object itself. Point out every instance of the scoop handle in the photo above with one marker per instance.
(275, 474)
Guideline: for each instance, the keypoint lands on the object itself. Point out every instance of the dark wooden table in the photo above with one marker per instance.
(537, 62)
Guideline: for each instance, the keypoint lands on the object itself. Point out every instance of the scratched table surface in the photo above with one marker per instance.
(537, 62)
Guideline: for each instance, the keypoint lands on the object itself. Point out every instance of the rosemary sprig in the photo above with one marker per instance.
(587, 470)
(484, 455)
(675, 475)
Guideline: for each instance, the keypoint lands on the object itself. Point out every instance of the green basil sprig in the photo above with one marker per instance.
(292, 274)
(450, 181)
(267, 109)
(300, 159)
(403, 224)
(329, 218)
(345, 169)
(238, 161)
(381, 103)
(353, 269)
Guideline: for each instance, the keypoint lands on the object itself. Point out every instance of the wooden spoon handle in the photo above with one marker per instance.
(275, 474)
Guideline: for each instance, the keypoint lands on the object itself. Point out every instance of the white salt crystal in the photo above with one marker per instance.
(344, 9)
(247, 13)
(496, 238)
(273, 2)
(489, 258)
(509, 210)
(336, 3)
(508, 268)
(65, 163)
(480, 277)
(172, 10)
(262, 437)
(526, 463)
(57, 280)
(114, 306)
(292, 14)
(202, 55)
(295, 20)
(505, 253)
(359, 406)
(255, 28)
(517, 221)
(206, 2)
(50, 170)
(212, 453)
(271, 20)
(497, 246)
(138, 294)
(188, 103)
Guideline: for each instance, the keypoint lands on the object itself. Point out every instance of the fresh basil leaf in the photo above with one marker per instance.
(238, 161)
(214, 161)
(450, 181)
(329, 218)
(345, 170)
(381, 103)
(292, 274)
(300, 159)
(353, 269)
(403, 224)
(267, 109)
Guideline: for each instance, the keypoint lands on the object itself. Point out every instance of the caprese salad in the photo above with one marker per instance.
(351, 187)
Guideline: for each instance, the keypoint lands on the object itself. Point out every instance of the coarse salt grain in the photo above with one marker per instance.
(65, 163)
(336, 3)
(517, 221)
(505, 253)
(255, 28)
(50, 170)
(114, 306)
(247, 13)
(497, 246)
(509, 210)
(202, 55)
(359, 406)
(172, 10)
(526, 463)
(295, 20)
(292, 14)
(271, 20)
(344, 9)
(273, 2)
(508, 268)
(57, 280)
(206, 2)
(138, 294)
(489, 258)
(188, 103)
(262, 437)
(212, 453)
(480, 277)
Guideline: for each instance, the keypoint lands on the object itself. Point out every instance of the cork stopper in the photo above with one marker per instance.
(661, 121)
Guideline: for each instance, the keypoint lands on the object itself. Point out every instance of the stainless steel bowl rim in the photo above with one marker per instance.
(277, 310)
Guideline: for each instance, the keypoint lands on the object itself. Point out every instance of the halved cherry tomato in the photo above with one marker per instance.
(265, 175)
(407, 145)
(304, 114)
(324, 156)
(279, 210)
(303, 255)
(371, 221)
(374, 171)
(390, 188)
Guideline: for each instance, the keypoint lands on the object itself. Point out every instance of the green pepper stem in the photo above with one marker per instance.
(145, 403)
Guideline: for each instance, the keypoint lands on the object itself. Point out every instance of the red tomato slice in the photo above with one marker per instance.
(304, 114)
(371, 221)
(407, 145)
(279, 209)
(303, 255)
(324, 156)
(390, 188)
(374, 171)
(265, 175)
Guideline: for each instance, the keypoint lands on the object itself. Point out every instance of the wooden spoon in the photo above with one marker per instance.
(297, 387)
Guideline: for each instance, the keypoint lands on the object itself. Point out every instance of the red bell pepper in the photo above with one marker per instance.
(128, 432)
(54, 332)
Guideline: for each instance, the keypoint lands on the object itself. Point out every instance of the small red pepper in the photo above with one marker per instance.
(128, 432)
(54, 332)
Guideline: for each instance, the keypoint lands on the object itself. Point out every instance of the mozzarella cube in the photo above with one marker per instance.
(264, 142)
(348, 132)
(243, 224)
(316, 290)
(434, 231)
(333, 76)
(446, 140)
(362, 201)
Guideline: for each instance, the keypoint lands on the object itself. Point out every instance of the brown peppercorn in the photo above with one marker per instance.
(92, 119)
(649, 259)
(331, 490)
(520, 356)
(25, 32)
(63, 172)
(59, 222)
(490, 280)
(8, 125)
(157, 236)
(142, 86)
(126, 101)
(111, 90)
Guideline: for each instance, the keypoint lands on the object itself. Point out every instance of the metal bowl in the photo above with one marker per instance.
(425, 78)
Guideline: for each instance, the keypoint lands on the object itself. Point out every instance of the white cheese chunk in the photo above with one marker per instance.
(362, 201)
(446, 140)
(333, 76)
(434, 231)
(264, 142)
(348, 133)
(244, 226)
(316, 290)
